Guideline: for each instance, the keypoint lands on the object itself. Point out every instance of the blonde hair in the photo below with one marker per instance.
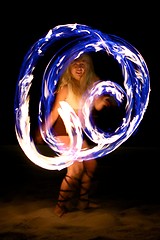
(87, 80)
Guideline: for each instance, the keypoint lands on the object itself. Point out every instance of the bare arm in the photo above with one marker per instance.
(61, 96)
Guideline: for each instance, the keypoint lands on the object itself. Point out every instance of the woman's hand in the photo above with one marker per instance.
(100, 102)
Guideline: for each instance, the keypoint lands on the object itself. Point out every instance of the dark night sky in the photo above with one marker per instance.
(26, 25)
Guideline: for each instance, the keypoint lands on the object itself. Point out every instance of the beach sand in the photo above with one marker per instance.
(126, 189)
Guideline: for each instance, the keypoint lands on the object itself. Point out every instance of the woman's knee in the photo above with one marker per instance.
(75, 170)
(90, 165)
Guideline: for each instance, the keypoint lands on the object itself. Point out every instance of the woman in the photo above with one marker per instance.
(76, 80)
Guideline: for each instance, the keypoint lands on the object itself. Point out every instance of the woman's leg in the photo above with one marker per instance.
(70, 184)
(86, 182)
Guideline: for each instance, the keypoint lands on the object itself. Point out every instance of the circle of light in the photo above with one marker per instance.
(85, 39)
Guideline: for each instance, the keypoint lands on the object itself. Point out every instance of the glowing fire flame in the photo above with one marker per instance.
(136, 90)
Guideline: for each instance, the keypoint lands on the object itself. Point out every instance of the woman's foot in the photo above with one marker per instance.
(60, 210)
(84, 204)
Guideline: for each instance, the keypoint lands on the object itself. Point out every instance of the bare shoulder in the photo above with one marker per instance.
(62, 93)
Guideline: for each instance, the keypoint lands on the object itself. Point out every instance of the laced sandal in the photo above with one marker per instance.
(65, 201)
(60, 209)
(85, 202)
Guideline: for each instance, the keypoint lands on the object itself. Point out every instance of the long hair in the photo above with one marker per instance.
(89, 77)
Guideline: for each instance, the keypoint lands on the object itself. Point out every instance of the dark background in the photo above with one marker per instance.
(24, 25)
